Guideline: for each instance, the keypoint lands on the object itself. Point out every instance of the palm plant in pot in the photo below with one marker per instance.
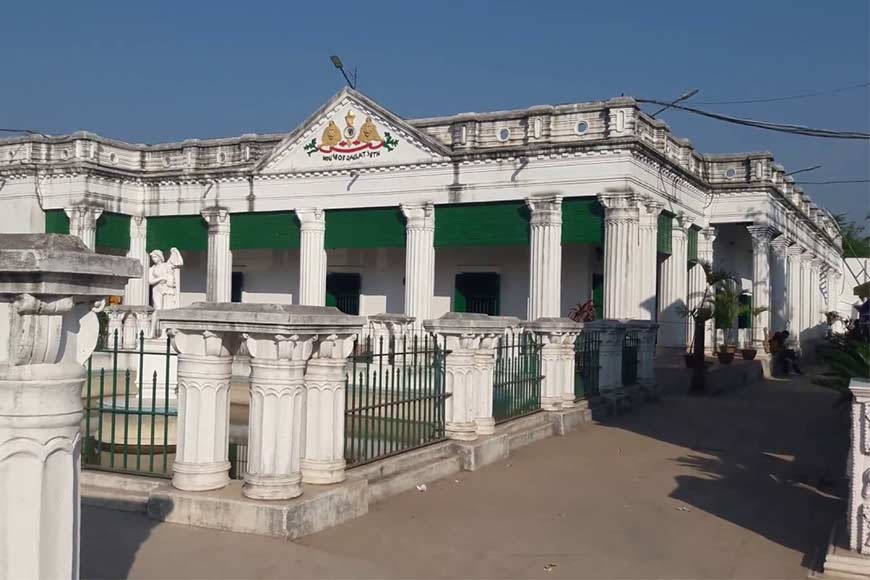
(748, 352)
(726, 305)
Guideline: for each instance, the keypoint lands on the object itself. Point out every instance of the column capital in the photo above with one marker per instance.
(652, 206)
(761, 234)
(808, 257)
(217, 218)
(277, 346)
(780, 246)
(682, 223)
(419, 216)
(620, 206)
(794, 250)
(311, 219)
(707, 235)
(83, 216)
(546, 209)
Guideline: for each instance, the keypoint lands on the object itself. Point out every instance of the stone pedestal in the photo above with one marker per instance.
(612, 335)
(646, 349)
(621, 256)
(325, 382)
(468, 377)
(557, 336)
(419, 259)
(545, 251)
(205, 367)
(49, 337)
(312, 257)
(276, 416)
(220, 258)
(761, 236)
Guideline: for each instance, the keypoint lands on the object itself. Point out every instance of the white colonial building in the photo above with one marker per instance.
(523, 213)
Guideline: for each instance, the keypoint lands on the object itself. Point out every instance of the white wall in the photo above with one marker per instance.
(383, 276)
(579, 262)
(193, 277)
(732, 252)
(270, 276)
(511, 262)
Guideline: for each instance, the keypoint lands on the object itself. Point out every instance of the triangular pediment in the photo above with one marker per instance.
(351, 131)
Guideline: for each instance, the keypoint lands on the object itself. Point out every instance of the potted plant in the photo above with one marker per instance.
(726, 303)
(749, 352)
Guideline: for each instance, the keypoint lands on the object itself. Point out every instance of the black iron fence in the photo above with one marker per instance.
(130, 411)
(516, 387)
(586, 364)
(630, 349)
(395, 397)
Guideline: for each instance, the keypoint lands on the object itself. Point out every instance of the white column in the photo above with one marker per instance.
(674, 288)
(484, 366)
(205, 367)
(621, 256)
(323, 462)
(779, 284)
(276, 416)
(761, 236)
(557, 337)
(697, 285)
(136, 292)
(816, 314)
(220, 258)
(648, 262)
(859, 469)
(312, 257)
(794, 293)
(545, 256)
(834, 282)
(83, 223)
(706, 237)
(419, 260)
(806, 297)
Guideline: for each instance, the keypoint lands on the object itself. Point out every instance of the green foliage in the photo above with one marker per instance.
(845, 359)
(856, 241)
(726, 305)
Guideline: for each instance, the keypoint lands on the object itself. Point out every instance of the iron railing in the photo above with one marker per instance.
(629, 357)
(395, 397)
(129, 416)
(586, 364)
(516, 386)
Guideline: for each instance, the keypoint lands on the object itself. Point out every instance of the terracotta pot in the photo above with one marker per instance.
(729, 348)
(748, 353)
(725, 358)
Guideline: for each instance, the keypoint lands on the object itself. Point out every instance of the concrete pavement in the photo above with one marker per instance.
(744, 485)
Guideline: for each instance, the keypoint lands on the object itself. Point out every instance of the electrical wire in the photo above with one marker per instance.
(832, 181)
(786, 98)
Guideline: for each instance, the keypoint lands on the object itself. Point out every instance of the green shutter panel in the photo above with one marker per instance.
(365, 228)
(113, 232)
(56, 222)
(582, 221)
(482, 224)
(185, 232)
(693, 245)
(665, 232)
(277, 230)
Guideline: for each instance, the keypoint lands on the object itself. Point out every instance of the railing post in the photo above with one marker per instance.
(557, 336)
(612, 334)
(484, 365)
(646, 374)
(859, 469)
(205, 369)
(48, 287)
(325, 382)
(276, 415)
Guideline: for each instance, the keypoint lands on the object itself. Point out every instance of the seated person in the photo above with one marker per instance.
(780, 352)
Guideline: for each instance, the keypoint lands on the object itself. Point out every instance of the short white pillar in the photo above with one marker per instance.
(859, 469)
(115, 326)
(220, 258)
(646, 372)
(312, 257)
(794, 293)
(276, 415)
(674, 288)
(325, 387)
(484, 366)
(419, 259)
(648, 259)
(545, 252)
(706, 237)
(557, 336)
(205, 368)
(761, 236)
(48, 337)
(612, 336)
(136, 292)
(83, 220)
(621, 256)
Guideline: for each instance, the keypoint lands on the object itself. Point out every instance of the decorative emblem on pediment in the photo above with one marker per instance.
(350, 141)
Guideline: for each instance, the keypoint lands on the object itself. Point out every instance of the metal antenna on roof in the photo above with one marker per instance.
(340, 66)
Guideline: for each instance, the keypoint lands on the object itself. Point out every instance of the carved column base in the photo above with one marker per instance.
(324, 440)
(485, 425)
(321, 472)
(200, 476)
(466, 431)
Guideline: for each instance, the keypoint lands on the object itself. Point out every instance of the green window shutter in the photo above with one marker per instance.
(482, 224)
(56, 222)
(665, 232)
(277, 230)
(365, 228)
(598, 295)
(582, 221)
(113, 232)
(744, 316)
(185, 232)
(693, 245)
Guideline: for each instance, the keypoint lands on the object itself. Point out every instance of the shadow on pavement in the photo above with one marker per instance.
(110, 541)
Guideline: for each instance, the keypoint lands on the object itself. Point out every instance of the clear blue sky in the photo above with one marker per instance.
(152, 71)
